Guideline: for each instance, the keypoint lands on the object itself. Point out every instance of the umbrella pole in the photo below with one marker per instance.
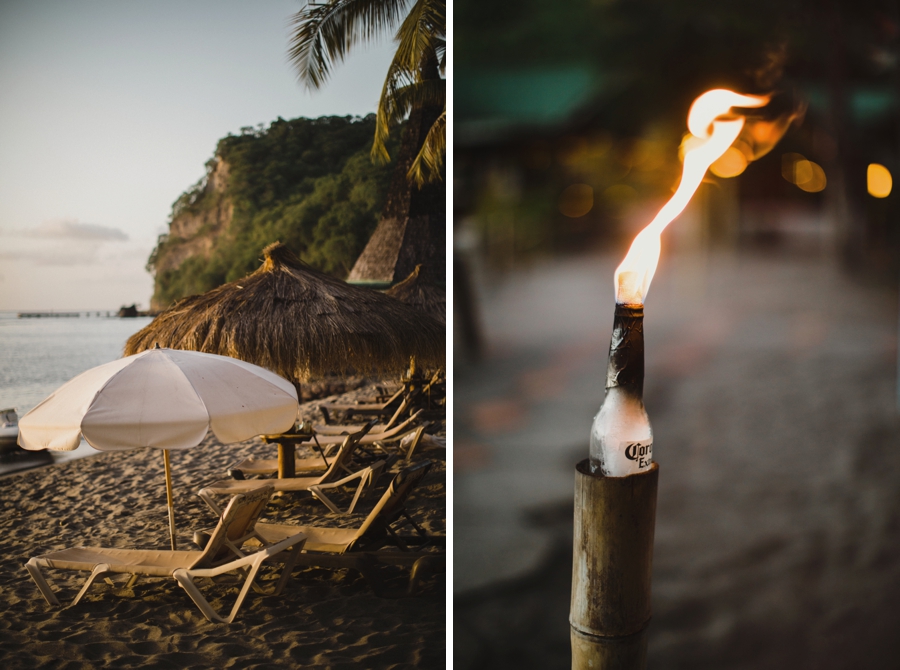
(169, 497)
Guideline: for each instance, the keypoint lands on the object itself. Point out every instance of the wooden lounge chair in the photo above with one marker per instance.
(316, 485)
(222, 554)
(413, 443)
(265, 466)
(329, 428)
(394, 433)
(382, 392)
(411, 396)
(363, 548)
(360, 408)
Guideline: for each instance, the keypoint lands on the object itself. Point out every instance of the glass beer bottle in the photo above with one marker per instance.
(621, 436)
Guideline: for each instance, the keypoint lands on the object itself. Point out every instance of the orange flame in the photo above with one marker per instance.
(714, 128)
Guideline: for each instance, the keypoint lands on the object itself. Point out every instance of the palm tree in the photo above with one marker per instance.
(412, 229)
(324, 33)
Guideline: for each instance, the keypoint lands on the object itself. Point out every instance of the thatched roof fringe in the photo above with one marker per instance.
(298, 322)
(415, 291)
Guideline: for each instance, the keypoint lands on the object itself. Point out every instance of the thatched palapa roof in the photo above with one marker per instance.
(299, 323)
(416, 292)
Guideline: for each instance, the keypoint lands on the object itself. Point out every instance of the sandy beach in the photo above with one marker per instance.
(324, 618)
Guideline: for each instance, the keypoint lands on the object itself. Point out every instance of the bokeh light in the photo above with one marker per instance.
(878, 180)
(730, 164)
(805, 174)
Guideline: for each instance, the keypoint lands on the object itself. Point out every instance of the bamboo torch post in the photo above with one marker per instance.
(615, 519)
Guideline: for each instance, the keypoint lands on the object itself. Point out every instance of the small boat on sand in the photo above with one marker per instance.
(9, 429)
(13, 457)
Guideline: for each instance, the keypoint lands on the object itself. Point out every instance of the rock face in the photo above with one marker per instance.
(187, 225)
(193, 232)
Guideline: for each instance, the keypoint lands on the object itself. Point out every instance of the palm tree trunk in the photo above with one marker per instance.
(412, 229)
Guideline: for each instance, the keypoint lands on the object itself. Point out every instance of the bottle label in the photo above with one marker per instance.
(641, 453)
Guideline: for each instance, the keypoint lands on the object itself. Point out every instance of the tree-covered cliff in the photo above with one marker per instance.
(307, 182)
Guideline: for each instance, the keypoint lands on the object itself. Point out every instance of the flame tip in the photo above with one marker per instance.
(714, 127)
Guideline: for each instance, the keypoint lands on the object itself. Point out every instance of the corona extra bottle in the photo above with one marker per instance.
(621, 437)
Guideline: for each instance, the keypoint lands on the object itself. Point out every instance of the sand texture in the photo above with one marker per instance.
(324, 618)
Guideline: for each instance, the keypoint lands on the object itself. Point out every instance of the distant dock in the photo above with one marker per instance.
(60, 315)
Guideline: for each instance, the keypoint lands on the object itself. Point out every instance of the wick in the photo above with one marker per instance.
(628, 291)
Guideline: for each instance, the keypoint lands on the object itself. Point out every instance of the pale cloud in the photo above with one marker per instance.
(55, 254)
(68, 242)
(72, 229)
(57, 274)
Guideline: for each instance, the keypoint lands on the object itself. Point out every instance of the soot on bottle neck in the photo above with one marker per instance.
(626, 350)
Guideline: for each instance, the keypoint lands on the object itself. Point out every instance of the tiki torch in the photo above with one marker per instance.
(615, 488)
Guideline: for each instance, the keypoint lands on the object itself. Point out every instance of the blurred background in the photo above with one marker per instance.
(771, 325)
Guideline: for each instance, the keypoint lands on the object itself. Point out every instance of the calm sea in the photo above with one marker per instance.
(37, 356)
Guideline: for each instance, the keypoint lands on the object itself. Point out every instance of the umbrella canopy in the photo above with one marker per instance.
(298, 322)
(416, 292)
(161, 398)
(165, 399)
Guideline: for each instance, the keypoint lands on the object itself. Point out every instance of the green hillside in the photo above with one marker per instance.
(307, 182)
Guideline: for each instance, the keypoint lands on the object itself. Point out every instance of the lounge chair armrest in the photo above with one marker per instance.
(255, 557)
(365, 429)
(366, 476)
(184, 576)
(249, 559)
(365, 472)
(293, 541)
(207, 496)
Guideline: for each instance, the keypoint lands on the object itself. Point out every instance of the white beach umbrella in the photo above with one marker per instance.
(165, 399)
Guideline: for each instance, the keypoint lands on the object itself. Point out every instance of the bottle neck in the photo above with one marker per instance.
(626, 351)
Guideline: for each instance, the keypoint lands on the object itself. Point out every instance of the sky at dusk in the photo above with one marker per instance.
(109, 112)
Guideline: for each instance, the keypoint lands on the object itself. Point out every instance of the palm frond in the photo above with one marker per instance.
(323, 34)
(428, 163)
(387, 112)
(417, 60)
(419, 32)
(440, 51)
(399, 97)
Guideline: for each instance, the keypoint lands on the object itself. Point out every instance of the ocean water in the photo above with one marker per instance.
(37, 356)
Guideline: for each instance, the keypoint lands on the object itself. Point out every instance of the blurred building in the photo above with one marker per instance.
(568, 123)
